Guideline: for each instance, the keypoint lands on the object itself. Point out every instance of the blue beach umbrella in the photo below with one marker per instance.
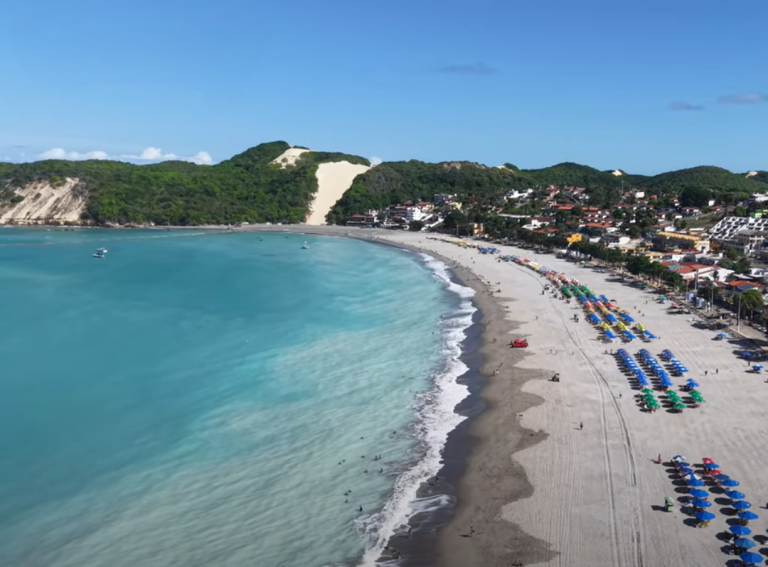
(744, 543)
(722, 477)
(698, 493)
(695, 482)
(704, 516)
(678, 458)
(711, 466)
(747, 515)
(730, 482)
(685, 470)
(682, 464)
(734, 494)
(701, 503)
(741, 505)
(692, 384)
(740, 530)
(751, 557)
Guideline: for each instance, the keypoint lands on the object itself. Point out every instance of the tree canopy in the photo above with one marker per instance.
(247, 187)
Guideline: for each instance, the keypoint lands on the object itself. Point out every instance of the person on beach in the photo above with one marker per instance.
(471, 531)
(581, 425)
(360, 509)
(717, 370)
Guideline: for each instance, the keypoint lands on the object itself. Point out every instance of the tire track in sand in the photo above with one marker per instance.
(603, 387)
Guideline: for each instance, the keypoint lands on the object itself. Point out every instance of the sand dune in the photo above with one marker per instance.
(42, 201)
(333, 179)
(289, 157)
(597, 492)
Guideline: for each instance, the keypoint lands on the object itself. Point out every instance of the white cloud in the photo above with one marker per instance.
(200, 158)
(375, 160)
(60, 153)
(150, 153)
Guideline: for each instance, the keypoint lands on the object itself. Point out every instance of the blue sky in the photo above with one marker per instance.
(644, 86)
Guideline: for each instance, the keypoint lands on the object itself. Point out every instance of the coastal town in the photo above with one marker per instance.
(716, 253)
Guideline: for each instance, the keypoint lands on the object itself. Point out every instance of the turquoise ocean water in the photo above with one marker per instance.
(207, 399)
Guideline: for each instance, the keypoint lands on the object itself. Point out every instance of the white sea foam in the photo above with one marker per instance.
(435, 419)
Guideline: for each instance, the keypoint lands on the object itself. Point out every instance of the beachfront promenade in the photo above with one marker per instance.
(598, 492)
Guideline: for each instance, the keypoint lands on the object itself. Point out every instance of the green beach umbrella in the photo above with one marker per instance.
(679, 406)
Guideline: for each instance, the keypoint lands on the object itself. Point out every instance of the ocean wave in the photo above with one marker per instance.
(435, 419)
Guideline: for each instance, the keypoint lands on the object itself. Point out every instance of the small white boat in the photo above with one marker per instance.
(102, 250)
(305, 246)
(99, 255)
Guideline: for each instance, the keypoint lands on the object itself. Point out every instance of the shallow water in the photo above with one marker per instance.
(187, 400)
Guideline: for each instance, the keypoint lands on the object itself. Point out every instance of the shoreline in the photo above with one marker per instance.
(440, 537)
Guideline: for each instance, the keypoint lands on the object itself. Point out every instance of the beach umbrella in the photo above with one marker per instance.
(747, 515)
(722, 477)
(740, 530)
(730, 482)
(751, 557)
(695, 482)
(734, 494)
(683, 464)
(701, 503)
(704, 516)
(711, 466)
(678, 458)
(698, 493)
(692, 383)
(744, 543)
(679, 406)
(741, 505)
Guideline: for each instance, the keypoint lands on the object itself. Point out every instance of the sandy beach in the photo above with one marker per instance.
(540, 490)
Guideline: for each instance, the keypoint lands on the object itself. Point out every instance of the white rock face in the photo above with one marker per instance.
(43, 202)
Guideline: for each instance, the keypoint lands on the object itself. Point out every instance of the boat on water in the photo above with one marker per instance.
(99, 255)
(305, 246)
(102, 250)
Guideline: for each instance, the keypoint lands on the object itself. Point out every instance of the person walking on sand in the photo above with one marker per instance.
(471, 531)
(581, 425)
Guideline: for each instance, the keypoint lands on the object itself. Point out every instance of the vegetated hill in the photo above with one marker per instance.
(711, 178)
(577, 175)
(761, 176)
(246, 187)
(397, 182)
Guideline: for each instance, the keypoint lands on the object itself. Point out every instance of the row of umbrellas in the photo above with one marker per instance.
(657, 369)
(633, 367)
(699, 503)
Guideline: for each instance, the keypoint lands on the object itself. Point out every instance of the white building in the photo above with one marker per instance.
(514, 194)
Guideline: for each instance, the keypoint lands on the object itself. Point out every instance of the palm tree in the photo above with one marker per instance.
(751, 300)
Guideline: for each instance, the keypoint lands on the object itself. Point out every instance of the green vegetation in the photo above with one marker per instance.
(397, 182)
(245, 188)
(708, 178)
